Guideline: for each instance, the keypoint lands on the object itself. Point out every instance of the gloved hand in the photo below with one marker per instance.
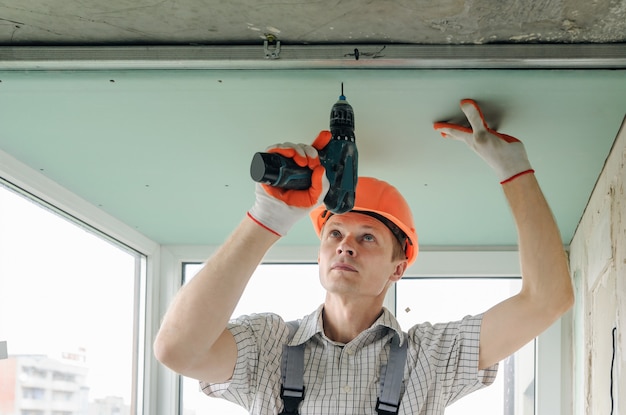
(505, 154)
(278, 209)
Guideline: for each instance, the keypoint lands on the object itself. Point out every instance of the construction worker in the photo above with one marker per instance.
(348, 343)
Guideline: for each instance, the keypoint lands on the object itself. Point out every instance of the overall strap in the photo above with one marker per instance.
(389, 401)
(292, 374)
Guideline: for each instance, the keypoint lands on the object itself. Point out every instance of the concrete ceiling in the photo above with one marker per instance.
(167, 150)
(210, 22)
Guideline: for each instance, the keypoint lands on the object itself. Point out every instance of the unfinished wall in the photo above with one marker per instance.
(598, 263)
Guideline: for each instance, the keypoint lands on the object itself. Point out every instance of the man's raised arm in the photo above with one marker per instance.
(193, 339)
(546, 292)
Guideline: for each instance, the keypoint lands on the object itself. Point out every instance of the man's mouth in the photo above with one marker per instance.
(342, 266)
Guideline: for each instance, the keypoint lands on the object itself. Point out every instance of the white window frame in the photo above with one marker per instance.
(41, 187)
(164, 275)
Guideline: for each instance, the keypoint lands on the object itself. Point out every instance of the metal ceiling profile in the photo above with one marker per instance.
(277, 56)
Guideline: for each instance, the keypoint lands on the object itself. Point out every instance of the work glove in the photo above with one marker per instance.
(278, 209)
(505, 154)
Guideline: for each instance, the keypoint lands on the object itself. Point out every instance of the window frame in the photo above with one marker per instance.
(18, 177)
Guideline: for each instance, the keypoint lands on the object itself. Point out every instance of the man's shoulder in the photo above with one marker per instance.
(428, 332)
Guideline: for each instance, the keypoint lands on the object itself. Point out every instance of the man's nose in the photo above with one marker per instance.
(346, 247)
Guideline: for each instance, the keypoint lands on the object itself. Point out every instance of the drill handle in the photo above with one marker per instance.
(339, 158)
(278, 171)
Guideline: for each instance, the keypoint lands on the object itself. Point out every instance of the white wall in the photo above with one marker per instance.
(598, 263)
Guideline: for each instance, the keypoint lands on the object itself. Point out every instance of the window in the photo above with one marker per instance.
(68, 305)
(62, 396)
(269, 290)
(417, 300)
(36, 394)
(34, 372)
(67, 377)
(450, 299)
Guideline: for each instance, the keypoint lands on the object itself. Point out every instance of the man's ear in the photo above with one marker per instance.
(399, 270)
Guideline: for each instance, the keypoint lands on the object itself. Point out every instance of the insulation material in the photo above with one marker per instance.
(598, 251)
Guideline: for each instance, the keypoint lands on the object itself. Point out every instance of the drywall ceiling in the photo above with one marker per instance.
(152, 110)
(168, 152)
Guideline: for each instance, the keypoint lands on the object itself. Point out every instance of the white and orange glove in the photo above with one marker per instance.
(505, 154)
(278, 209)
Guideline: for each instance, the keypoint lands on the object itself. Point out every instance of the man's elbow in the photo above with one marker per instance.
(169, 353)
(212, 364)
(563, 299)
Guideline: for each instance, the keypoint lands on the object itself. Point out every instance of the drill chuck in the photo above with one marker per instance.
(342, 120)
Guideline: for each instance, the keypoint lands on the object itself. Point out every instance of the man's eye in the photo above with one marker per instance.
(335, 234)
(369, 237)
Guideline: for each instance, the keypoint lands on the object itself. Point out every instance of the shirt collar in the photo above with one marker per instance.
(313, 324)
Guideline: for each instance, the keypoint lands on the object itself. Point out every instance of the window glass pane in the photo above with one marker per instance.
(449, 299)
(271, 289)
(66, 312)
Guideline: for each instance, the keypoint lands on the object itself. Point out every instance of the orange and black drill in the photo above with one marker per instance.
(339, 158)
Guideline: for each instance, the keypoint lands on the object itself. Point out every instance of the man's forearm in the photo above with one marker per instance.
(200, 311)
(544, 267)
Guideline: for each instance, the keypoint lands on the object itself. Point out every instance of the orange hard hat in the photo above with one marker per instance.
(384, 202)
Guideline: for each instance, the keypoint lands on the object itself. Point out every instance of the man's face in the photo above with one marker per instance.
(355, 256)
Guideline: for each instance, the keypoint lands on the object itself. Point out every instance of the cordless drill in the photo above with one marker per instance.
(339, 158)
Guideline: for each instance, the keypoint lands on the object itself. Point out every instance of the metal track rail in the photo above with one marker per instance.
(277, 56)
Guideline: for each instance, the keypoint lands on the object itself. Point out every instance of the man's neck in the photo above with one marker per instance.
(343, 321)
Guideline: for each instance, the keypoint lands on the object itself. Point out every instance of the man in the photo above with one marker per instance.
(347, 341)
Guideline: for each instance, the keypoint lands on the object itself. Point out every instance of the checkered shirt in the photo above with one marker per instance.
(441, 367)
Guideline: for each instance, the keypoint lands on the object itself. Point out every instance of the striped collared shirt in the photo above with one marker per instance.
(441, 367)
